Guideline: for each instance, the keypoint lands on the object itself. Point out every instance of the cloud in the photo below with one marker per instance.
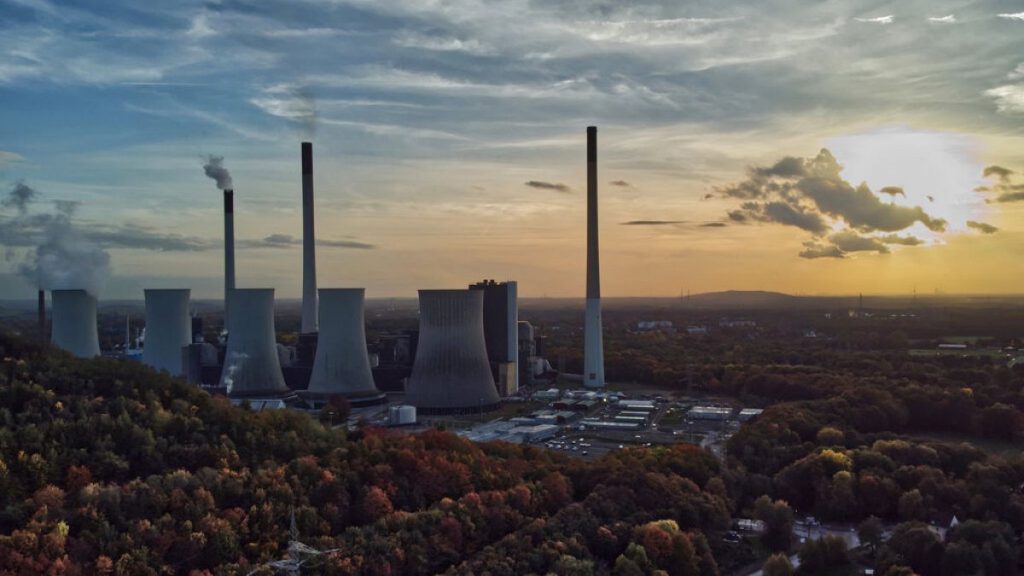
(849, 241)
(653, 222)
(20, 196)
(948, 19)
(620, 183)
(713, 225)
(997, 171)
(1005, 188)
(1014, 16)
(877, 20)
(814, 250)
(289, 241)
(841, 244)
(982, 227)
(345, 244)
(810, 194)
(293, 102)
(556, 186)
(9, 157)
(1009, 98)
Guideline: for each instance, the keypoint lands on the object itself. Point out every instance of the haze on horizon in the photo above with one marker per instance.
(449, 143)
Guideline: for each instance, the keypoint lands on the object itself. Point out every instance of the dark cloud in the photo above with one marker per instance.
(810, 194)
(138, 238)
(68, 207)
(556, 186)
(1005, 188)
(982, 227)
(713, 225)
(20, 196)
(792, 215)
(841, 244)
(814, 250)
(620, 183)
(805, 192)
(997, 171)
(653, 222)
(289, 241)
(345, 244)
(788, 167)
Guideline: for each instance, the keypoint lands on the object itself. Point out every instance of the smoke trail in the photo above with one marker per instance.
(19, 197)
(66, 259)
(214, 168)
(61, 257)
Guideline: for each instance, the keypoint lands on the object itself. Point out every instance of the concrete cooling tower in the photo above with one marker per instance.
(168, 329)
(251, 367)
(74, 322)
(342, 363)
(451, 373)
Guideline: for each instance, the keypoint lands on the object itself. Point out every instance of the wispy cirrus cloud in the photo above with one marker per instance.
(888, 19)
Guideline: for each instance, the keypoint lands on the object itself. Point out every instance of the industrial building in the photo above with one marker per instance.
(168, 329)
(501, 318)
(342, 364)
(451, 373)
(709, 413)
(251, 365)
(401, 415)
(74, 323)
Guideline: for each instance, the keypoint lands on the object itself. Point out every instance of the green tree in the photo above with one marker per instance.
(777, 565)
(870, 532)
(778, 521)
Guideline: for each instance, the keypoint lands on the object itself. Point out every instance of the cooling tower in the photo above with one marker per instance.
(342, 364)
(593, 345)
(168, 329)
(251, 367)
(309, 314)
(229, 248)
(451, 372)
(74, 322)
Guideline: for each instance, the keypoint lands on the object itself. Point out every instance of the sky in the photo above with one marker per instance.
(805, 147)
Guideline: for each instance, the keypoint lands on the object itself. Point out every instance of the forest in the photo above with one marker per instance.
(107, 467)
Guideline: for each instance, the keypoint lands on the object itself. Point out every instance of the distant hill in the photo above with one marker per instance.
(744, 299)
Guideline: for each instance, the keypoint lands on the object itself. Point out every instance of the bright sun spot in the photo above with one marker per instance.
(938, 171)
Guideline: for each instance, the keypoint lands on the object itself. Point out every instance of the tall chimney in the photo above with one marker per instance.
(229, 249)
(41, 312)
(309, 314)
(593, 345)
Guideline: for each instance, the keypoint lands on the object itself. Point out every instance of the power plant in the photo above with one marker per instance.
(342, 365)
(74, 322)
(593, 340)
(251, 367)
(451, 373)
(469, 352)
(501, 317)
(168, 329)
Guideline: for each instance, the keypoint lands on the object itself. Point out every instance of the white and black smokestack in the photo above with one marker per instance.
(229, 249)
(309, 314)
(593, 344)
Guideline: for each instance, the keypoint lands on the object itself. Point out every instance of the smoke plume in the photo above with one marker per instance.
(19, 197)
(61, 255)
(214, 168)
